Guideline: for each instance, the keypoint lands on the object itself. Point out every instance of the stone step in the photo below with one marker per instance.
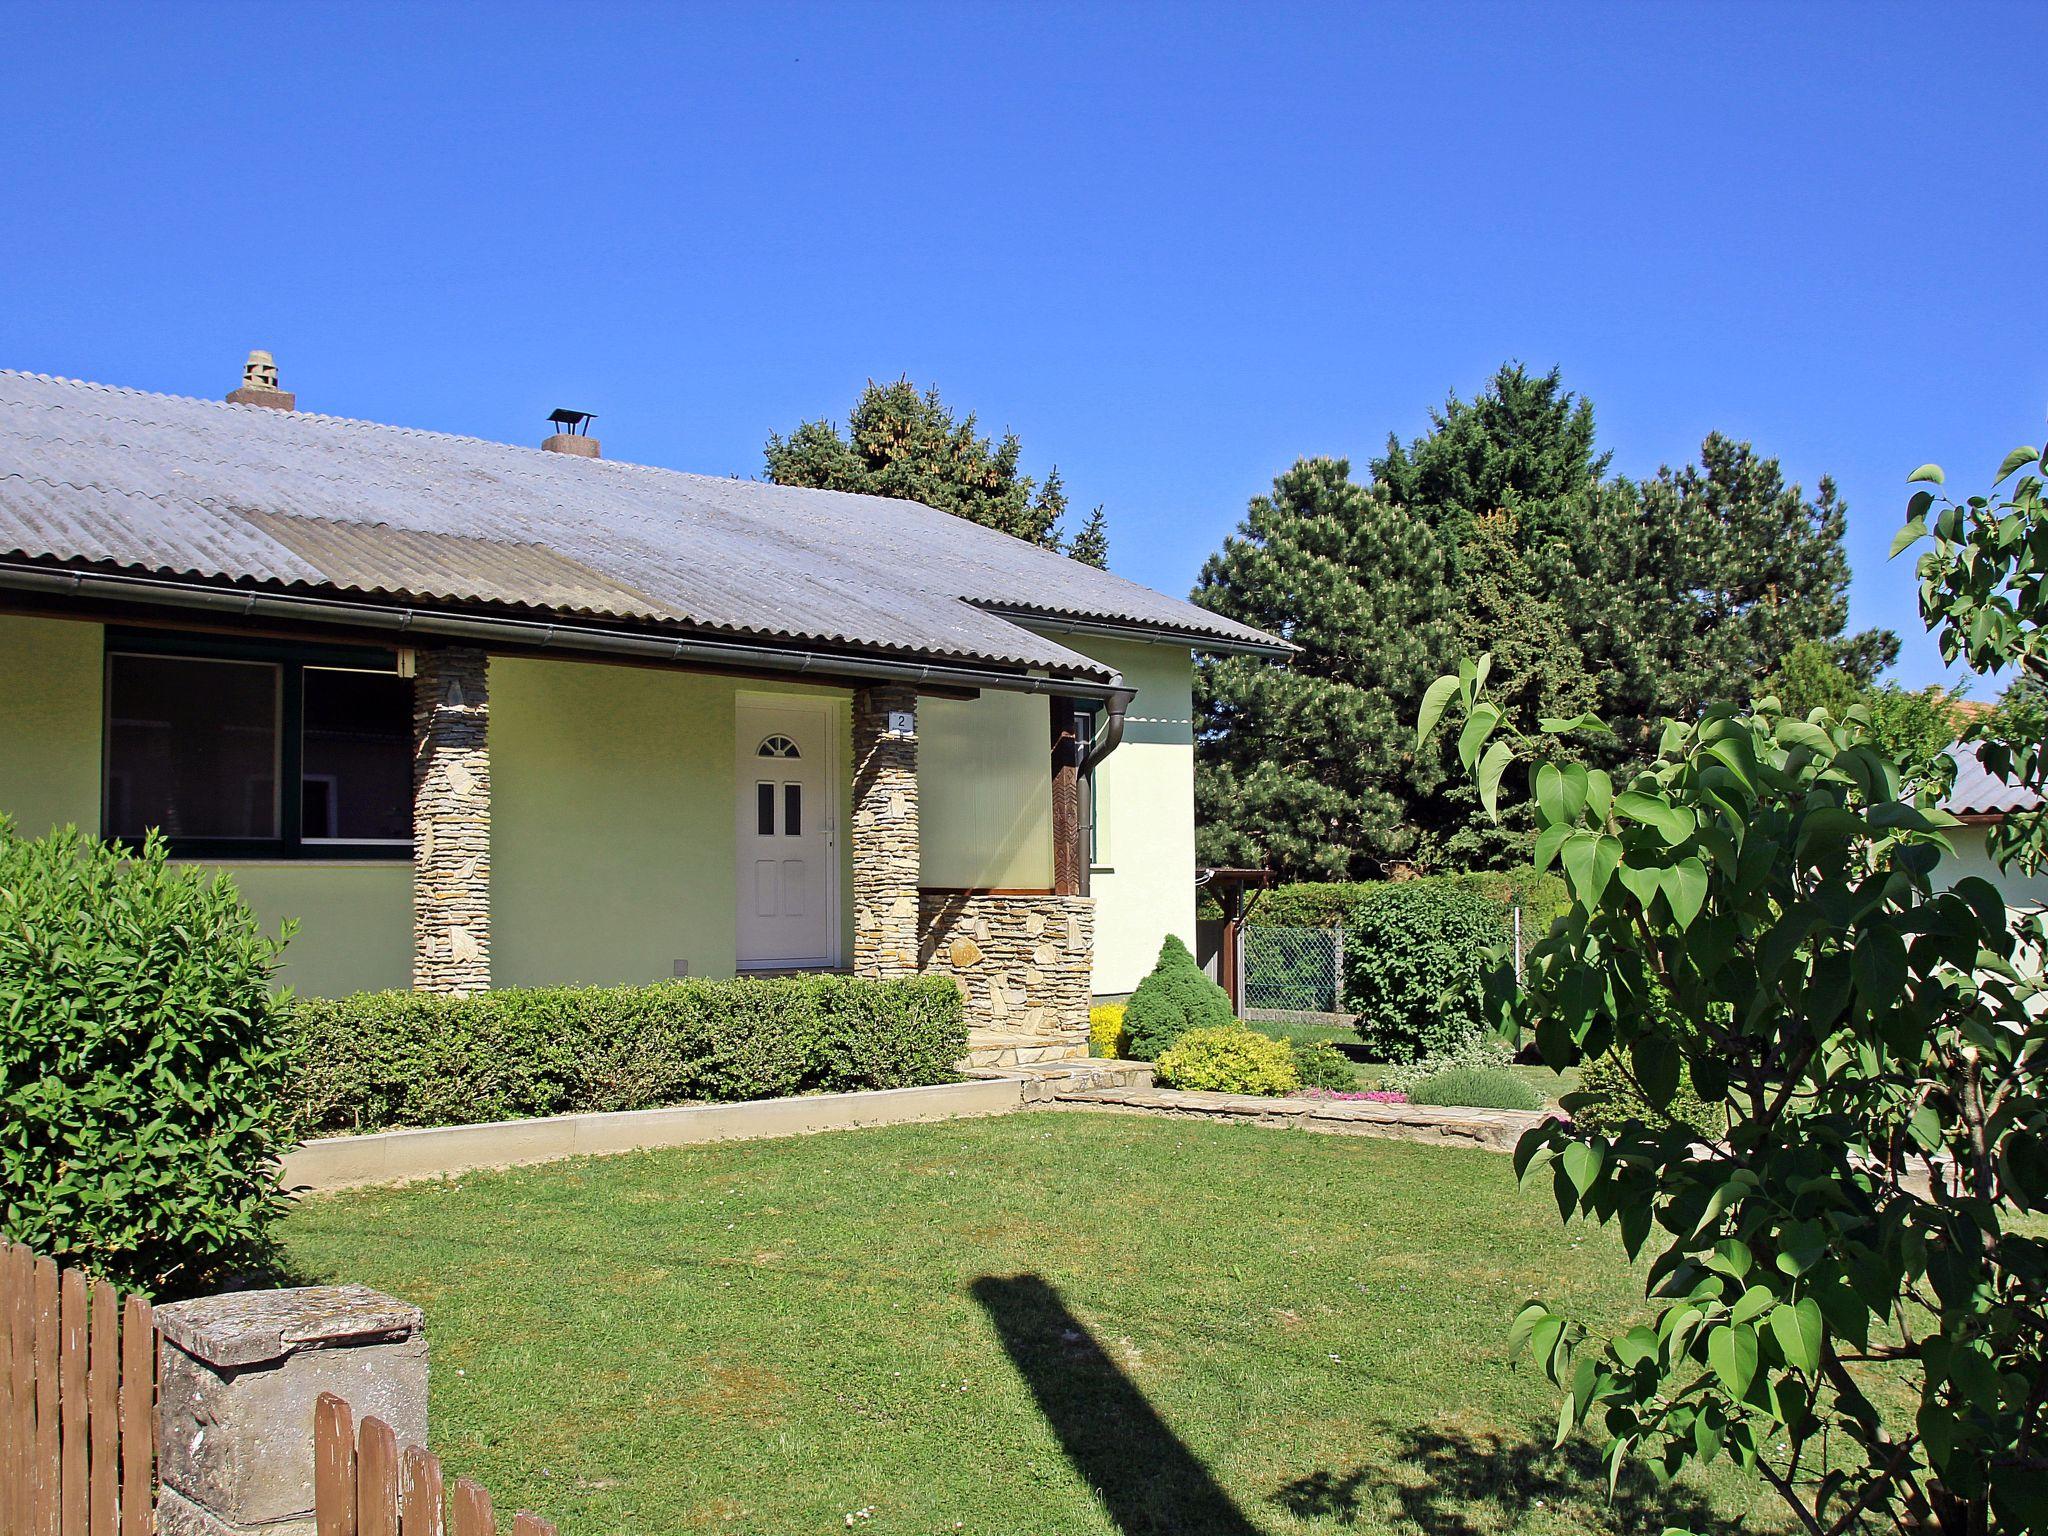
(988, 1048)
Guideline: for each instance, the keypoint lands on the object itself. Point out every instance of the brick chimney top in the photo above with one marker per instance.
(259, 384)
(572, 434)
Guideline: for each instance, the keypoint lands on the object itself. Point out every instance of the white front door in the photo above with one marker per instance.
(786, 837)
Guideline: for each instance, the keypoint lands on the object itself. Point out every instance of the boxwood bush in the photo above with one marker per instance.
(1230, 1060)
(140, 1066)
(378, 1060)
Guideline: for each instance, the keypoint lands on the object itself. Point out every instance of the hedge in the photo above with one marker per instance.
(378, 1060)
(1334, 903)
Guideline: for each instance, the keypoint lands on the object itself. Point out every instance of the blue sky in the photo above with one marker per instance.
(1174, 248)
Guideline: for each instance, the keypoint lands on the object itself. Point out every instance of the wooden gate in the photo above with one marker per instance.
(363, 1485)
(77, 1403)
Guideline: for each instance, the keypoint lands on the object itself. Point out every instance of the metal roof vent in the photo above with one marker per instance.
(572, 434)
(259, 384)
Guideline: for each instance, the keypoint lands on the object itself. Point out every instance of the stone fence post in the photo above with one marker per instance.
(237, 1383)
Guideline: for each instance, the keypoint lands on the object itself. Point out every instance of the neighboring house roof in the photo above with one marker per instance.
(1978, 792)
(184, 488)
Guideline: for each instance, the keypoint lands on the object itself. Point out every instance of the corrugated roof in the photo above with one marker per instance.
(1978, 792)
(201, 488)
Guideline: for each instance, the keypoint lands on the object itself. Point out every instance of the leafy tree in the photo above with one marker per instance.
(905, 444)
(1913, 727)
(1308, 767)
(1851, 1282)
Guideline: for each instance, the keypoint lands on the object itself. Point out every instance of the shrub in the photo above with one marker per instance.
(1174, 999)
(1477, 1088)
(139, 1063)
(1608, 1099)
(1232, 1059)
(1415, 959)
(1320, 1064)
(382, 1059)
(1106, 1036)
(1488, 1052)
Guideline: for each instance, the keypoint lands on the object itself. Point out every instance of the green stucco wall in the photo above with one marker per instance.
(984, 792)
(50, 671)
(612, 811)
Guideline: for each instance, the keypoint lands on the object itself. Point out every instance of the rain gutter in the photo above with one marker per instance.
(527, 634)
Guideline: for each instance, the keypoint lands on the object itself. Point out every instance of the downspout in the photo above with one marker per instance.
(1115, 706)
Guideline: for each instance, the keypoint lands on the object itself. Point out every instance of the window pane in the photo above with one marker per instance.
(191, 747)
(792, 810)
(357, 768)
(764, 809)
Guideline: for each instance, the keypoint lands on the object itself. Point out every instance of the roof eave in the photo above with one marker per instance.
(1195, 640)
(569, 634)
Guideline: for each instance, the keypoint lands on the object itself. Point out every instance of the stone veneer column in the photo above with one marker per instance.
(451, 822)
(885, 844)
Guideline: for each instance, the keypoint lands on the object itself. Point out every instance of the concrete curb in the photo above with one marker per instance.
(393, 1157)
(1496, 1130)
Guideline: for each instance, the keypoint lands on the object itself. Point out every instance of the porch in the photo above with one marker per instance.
(468, 820)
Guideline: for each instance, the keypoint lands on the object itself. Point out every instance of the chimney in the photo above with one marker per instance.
(572, 434)
(259, 385)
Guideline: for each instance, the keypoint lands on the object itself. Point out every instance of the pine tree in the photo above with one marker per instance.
(902, 443)
(1308, 767)
(1091, 545)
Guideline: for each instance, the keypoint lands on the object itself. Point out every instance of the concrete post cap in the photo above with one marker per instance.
(243, 1328)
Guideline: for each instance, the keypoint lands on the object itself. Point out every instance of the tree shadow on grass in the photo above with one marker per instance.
(1146, 1477)
(1445, 1481)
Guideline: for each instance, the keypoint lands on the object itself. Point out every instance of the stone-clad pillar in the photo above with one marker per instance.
(451, 822)
(885, 843)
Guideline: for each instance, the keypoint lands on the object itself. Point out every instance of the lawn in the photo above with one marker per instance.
(1043, 1323)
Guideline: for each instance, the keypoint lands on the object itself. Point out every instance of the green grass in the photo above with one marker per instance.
(969, 1326)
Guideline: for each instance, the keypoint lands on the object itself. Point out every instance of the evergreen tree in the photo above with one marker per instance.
(1637, 602)
(1308, 767)
(902, 443)
(1750, 569)
(1091, 545)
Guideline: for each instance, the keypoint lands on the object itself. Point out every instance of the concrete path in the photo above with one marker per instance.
(1495, 1129)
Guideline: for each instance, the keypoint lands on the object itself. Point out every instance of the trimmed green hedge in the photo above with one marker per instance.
(378, 1060)
(1334, 903)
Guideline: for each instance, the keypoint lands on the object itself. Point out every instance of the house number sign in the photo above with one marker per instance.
(901, 722)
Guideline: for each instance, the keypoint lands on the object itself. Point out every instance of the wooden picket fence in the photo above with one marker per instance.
(363, 1485)
(77, 1405)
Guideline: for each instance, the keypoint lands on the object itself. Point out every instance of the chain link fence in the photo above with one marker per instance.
(1294, 975)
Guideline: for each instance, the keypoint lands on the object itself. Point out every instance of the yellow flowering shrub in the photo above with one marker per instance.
(1235, 1060)
(1106, 1037)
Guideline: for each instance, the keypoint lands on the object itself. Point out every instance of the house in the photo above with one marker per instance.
(1980, 800)
(479, 714)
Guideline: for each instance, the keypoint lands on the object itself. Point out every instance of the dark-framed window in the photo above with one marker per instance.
(256, 749)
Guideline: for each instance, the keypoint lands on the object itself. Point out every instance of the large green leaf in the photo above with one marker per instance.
(1731, 1352)
(1491, 767)
(1434, 701)
(1926, 472)
(2014, 460)
(1685, 887)
(1799, 1331)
